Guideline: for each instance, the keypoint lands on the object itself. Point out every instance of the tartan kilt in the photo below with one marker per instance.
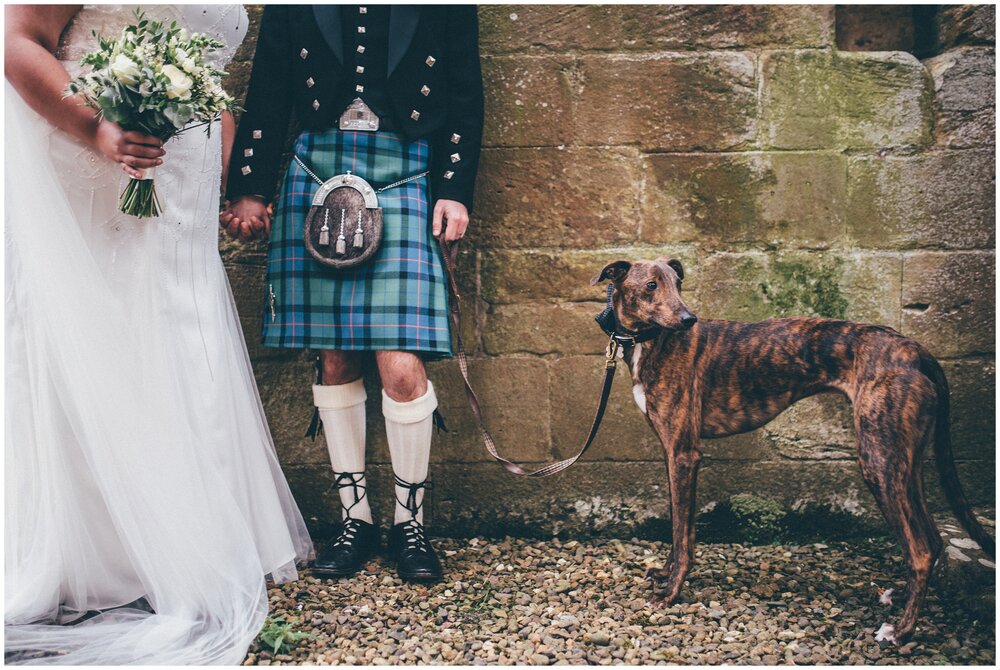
(396, 301)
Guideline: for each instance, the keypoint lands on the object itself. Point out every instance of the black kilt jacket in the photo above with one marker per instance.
(435, 91)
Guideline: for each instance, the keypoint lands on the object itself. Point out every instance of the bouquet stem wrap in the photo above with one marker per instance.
(139, 197)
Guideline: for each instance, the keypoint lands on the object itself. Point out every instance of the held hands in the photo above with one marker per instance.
(456, 216)
(249, 217)
(246, 218)
(133, 150)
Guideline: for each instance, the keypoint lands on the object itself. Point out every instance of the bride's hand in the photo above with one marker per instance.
(246, 218)
(133, 150)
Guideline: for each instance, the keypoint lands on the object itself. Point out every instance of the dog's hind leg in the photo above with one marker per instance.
(894, 419)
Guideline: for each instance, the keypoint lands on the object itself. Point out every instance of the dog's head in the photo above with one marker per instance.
(648, 294)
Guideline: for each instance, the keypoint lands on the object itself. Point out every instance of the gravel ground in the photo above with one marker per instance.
(539, 603)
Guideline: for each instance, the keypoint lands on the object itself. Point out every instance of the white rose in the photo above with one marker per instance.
(125, 70)
(180, 84)
(189, 65)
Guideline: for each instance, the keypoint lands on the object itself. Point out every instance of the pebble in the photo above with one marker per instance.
(577, 602)
(600, 638)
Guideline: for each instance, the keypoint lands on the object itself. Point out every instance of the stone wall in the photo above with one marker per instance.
(791, 177)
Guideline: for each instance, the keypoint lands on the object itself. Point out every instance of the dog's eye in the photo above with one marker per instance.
(651, 285)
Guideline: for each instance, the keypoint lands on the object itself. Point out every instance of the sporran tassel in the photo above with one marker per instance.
(324, 232)
(359, 234)
(341, 240)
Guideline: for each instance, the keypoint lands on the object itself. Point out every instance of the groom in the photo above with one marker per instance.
(387, 93)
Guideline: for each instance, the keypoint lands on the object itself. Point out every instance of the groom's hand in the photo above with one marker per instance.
(246, 218)
(452, 217)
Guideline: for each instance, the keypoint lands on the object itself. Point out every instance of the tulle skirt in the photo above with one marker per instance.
(140, 478)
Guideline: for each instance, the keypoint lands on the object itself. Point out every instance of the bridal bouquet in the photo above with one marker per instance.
(152, 79)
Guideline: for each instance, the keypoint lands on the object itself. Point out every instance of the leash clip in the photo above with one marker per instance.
(612, 354)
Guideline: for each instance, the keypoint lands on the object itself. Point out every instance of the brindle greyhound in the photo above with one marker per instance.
(706, 378)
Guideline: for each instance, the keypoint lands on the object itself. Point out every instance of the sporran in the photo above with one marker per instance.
(344, 223)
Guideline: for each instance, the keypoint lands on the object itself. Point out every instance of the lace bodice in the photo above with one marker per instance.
(227, 23)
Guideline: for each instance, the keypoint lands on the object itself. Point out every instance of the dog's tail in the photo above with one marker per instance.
(946, 460)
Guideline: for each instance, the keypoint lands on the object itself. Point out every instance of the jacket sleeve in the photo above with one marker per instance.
(260, 136)
(456, 148)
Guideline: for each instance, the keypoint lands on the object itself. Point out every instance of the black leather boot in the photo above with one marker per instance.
(408, 544)
(357, 542)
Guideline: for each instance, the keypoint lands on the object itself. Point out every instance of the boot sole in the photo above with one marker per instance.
(419, 577)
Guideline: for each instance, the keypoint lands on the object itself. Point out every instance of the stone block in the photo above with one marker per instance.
(526, 275)
(249, 45)
(949, 301)
(871, 283)
(237, 79)
(514, 395)
(978, 479)
(875, 28)
(755, 286)
(836, 485)
(285, 386)
(544, 328)
(680, 27)
(560, 28)
(843, 100)
(676, 102)
(819, 428)
(556, 197)
(726, 201)
(941, 199)
(590, 499)
(624, 435)
(319, 502)
(964, 97)
(244, 253)
(963, 568)
(966, 24)
(527, 101)
(972, 382)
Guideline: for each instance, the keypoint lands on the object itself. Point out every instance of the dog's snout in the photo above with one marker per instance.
(688, 319)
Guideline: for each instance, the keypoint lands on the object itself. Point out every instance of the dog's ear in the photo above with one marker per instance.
(615, 271)
(677, 267)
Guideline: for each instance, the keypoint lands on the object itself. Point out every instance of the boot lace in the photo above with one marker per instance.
(413, 531)
(352, 526)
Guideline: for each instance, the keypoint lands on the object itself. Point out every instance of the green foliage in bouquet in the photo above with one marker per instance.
(154, 79)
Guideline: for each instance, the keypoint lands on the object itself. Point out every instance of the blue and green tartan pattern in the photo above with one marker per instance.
(396, 301)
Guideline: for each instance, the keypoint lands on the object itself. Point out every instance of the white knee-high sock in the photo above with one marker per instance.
(408, 428)
(342, 408)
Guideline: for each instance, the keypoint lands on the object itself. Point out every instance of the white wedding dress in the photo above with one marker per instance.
(139, 465)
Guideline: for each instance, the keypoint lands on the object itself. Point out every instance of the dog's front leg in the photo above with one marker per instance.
(682, 458)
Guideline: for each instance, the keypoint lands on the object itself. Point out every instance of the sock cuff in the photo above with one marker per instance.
(340, 396)
(411, 411)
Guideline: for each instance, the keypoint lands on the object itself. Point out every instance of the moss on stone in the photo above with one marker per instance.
(796, 289)
(758, 519)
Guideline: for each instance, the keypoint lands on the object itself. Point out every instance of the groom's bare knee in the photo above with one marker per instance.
(403, 375)
(340, 367)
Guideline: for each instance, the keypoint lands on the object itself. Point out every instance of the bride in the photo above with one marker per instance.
(144, 501)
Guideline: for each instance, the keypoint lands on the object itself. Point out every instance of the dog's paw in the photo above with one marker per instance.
(885, 596)
(659, 574)
(886, 634)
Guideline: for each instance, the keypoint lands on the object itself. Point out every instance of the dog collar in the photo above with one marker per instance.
(610, 325)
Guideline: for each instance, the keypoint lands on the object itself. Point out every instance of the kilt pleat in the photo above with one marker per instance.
(398, 300)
